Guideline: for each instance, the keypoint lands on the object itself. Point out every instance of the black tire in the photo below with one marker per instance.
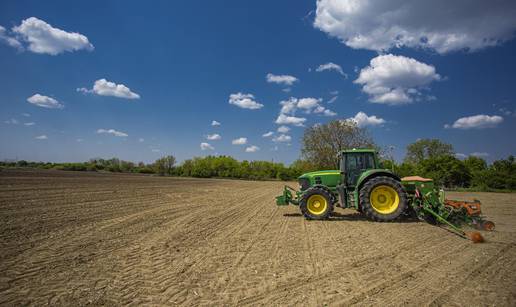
(304, 204)
(370, 211)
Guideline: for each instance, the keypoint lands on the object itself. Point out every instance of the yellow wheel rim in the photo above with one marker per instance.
(384, 199)
(317, 204)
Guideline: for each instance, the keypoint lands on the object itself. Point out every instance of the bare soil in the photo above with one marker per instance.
(71, 238)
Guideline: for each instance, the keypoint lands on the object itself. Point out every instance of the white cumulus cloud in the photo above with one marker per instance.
(322, 110)
(244, 101)
(479, 154)
(362, 120)
(41, 137)
(30, 124)
(9, 40)
(113, 132)
(239, 141)
(12, 121)
(440, 25)
(252, 148)
(308, 105)
(395, 80)
(331, 66)
(41, 37)
(290, 120)
(461, 156)
(473, 154)
(329, 113)
(104, 87)
(215, 123)
(268, 134)
(281, 79)
(283, 129)
(282, 138)
(207, 146)
(213, 137)
(480, 121)
(333, 99)
(44, 101)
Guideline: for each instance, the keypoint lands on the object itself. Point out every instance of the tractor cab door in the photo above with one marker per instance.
(355, 164)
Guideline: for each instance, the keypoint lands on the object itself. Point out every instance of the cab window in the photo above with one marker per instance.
(356, 163)
(360, 161)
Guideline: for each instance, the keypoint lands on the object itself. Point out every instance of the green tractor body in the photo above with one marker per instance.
(357, 166)
(362, 184)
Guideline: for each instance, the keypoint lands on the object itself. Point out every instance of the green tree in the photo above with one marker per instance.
(406, 169)
(501, 174)
(446, 171)
(301, 166)
(427, 149)
(322, 143)
(478, 170)
(22, 163)
(475, 164)
(165, 165)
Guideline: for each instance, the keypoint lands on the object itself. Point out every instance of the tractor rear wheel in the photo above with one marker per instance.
(383, 199)
(316, 204)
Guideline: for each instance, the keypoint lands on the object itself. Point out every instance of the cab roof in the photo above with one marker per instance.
(359, 150)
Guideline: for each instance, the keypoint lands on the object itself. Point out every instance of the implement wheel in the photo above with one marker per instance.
(383, 199)
(316, 204)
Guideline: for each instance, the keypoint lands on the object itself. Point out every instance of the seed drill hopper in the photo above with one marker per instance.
(381, 195)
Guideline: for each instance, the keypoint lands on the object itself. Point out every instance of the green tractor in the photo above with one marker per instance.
(362, 184)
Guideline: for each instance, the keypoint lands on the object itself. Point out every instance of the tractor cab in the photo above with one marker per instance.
(354, 162)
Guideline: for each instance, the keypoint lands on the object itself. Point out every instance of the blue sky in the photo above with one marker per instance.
(139, 80)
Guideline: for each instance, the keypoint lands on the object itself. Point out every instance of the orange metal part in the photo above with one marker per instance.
(488, 225)
(476, 237)
(472, 207)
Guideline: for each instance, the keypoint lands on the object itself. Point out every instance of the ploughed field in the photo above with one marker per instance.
(69, 238)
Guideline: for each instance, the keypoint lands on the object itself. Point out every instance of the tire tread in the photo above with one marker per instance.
(304, 205)
(368, 209)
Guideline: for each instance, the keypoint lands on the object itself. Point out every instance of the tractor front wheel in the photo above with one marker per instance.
(383, 199)
(316, 204)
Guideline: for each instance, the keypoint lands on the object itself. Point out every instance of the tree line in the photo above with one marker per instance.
(429, 158)
(432, 158)
(201, 167)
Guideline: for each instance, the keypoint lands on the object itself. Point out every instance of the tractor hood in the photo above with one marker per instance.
(329, 178)
(321, 173)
